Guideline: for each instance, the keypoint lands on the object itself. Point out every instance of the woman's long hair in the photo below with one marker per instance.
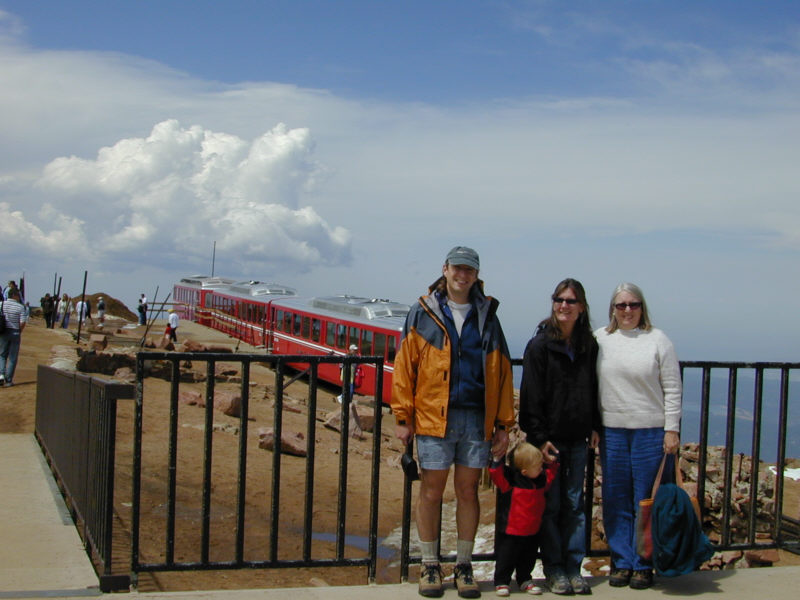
(582, 332)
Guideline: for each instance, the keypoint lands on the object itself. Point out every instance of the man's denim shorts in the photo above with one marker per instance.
(463, 443)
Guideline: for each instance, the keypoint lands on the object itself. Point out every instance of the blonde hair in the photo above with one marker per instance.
(527, 456)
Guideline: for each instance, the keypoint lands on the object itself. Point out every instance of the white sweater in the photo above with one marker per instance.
(639, 379)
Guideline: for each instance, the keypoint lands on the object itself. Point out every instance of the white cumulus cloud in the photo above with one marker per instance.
(169, 195)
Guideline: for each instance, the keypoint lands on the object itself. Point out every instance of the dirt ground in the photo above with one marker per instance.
(17, 404)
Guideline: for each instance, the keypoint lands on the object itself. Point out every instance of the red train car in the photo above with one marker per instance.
(243, 310)
(329, 325)
(190, 293)
(271, 316)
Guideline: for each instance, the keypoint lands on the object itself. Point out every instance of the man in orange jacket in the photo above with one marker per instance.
(452, 389)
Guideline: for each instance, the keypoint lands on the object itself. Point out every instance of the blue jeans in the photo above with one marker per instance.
(630, 460)
(562, 536)
(9, 350)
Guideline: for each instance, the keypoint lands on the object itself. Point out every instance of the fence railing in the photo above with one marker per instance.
(267, 555)
(75, 426)
(769, 397)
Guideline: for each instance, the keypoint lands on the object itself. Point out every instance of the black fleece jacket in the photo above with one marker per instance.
(558, 398)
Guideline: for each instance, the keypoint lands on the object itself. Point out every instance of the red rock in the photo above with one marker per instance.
(230, 403)
(291, 443)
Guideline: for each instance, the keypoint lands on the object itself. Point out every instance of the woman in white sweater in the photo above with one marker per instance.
(640, 407)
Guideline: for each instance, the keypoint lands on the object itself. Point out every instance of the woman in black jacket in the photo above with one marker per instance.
(559, 414)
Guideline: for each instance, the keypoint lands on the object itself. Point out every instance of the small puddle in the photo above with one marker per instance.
(357, 541)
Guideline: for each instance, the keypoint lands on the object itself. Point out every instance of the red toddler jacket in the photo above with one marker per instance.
(522, 500)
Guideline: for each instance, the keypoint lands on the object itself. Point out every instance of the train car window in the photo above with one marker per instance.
(306, 327)
(330, 334)
(380, 344)
(279, 320)
(366, 343)
(353, 336)
(391, 350)
(341, 336)
(296, 325)
(315, 329)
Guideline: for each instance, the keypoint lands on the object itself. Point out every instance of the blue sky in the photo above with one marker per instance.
(346, 146)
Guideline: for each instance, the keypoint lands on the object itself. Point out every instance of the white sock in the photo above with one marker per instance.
(430, 552)
(464, 551)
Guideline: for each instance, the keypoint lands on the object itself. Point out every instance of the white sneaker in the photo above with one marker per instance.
(502, 591)
(531, 588)
(339, 398)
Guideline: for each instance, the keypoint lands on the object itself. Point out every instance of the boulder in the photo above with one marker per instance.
(334, 421)
(191, 398)
(98, 342)
(290, 443)
(230, 403)
(125, 374)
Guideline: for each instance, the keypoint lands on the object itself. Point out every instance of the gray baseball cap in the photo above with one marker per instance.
(461, 255)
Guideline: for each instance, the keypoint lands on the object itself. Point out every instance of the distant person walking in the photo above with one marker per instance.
(172, 325)
(15, 318)
(356, 374)
(63, 310)
(101, 309)
(640, 406)
(48, 310)
(81, 309)
(142, 310)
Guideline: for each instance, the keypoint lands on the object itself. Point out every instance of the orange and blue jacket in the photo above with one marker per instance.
(422, 368)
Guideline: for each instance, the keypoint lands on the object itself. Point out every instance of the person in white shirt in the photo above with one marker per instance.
(639, 384)
(172, 325)
(15, 317)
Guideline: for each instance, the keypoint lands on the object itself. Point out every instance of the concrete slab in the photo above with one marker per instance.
(41, 551)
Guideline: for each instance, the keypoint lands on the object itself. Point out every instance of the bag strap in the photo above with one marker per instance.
(660, 473)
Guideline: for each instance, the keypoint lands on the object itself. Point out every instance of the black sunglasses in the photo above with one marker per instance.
(570, 301)
(631, 305)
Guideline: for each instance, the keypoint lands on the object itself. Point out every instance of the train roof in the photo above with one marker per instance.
(259, 288)
(206, 281)
(390, 313)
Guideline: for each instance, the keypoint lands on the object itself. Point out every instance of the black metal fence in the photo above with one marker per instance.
(767, 409)
(75, 427)
(716, 413)
(748, 408)
(266, 555)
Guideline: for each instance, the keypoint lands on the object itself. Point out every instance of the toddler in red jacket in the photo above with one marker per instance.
(523, 483)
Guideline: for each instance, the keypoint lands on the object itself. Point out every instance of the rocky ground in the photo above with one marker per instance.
(58, 347)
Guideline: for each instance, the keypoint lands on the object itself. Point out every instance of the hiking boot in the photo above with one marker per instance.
(579, 585)
(465, 583)
(619, 577)
(430, 581)
(559, 584)
(642, 579)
